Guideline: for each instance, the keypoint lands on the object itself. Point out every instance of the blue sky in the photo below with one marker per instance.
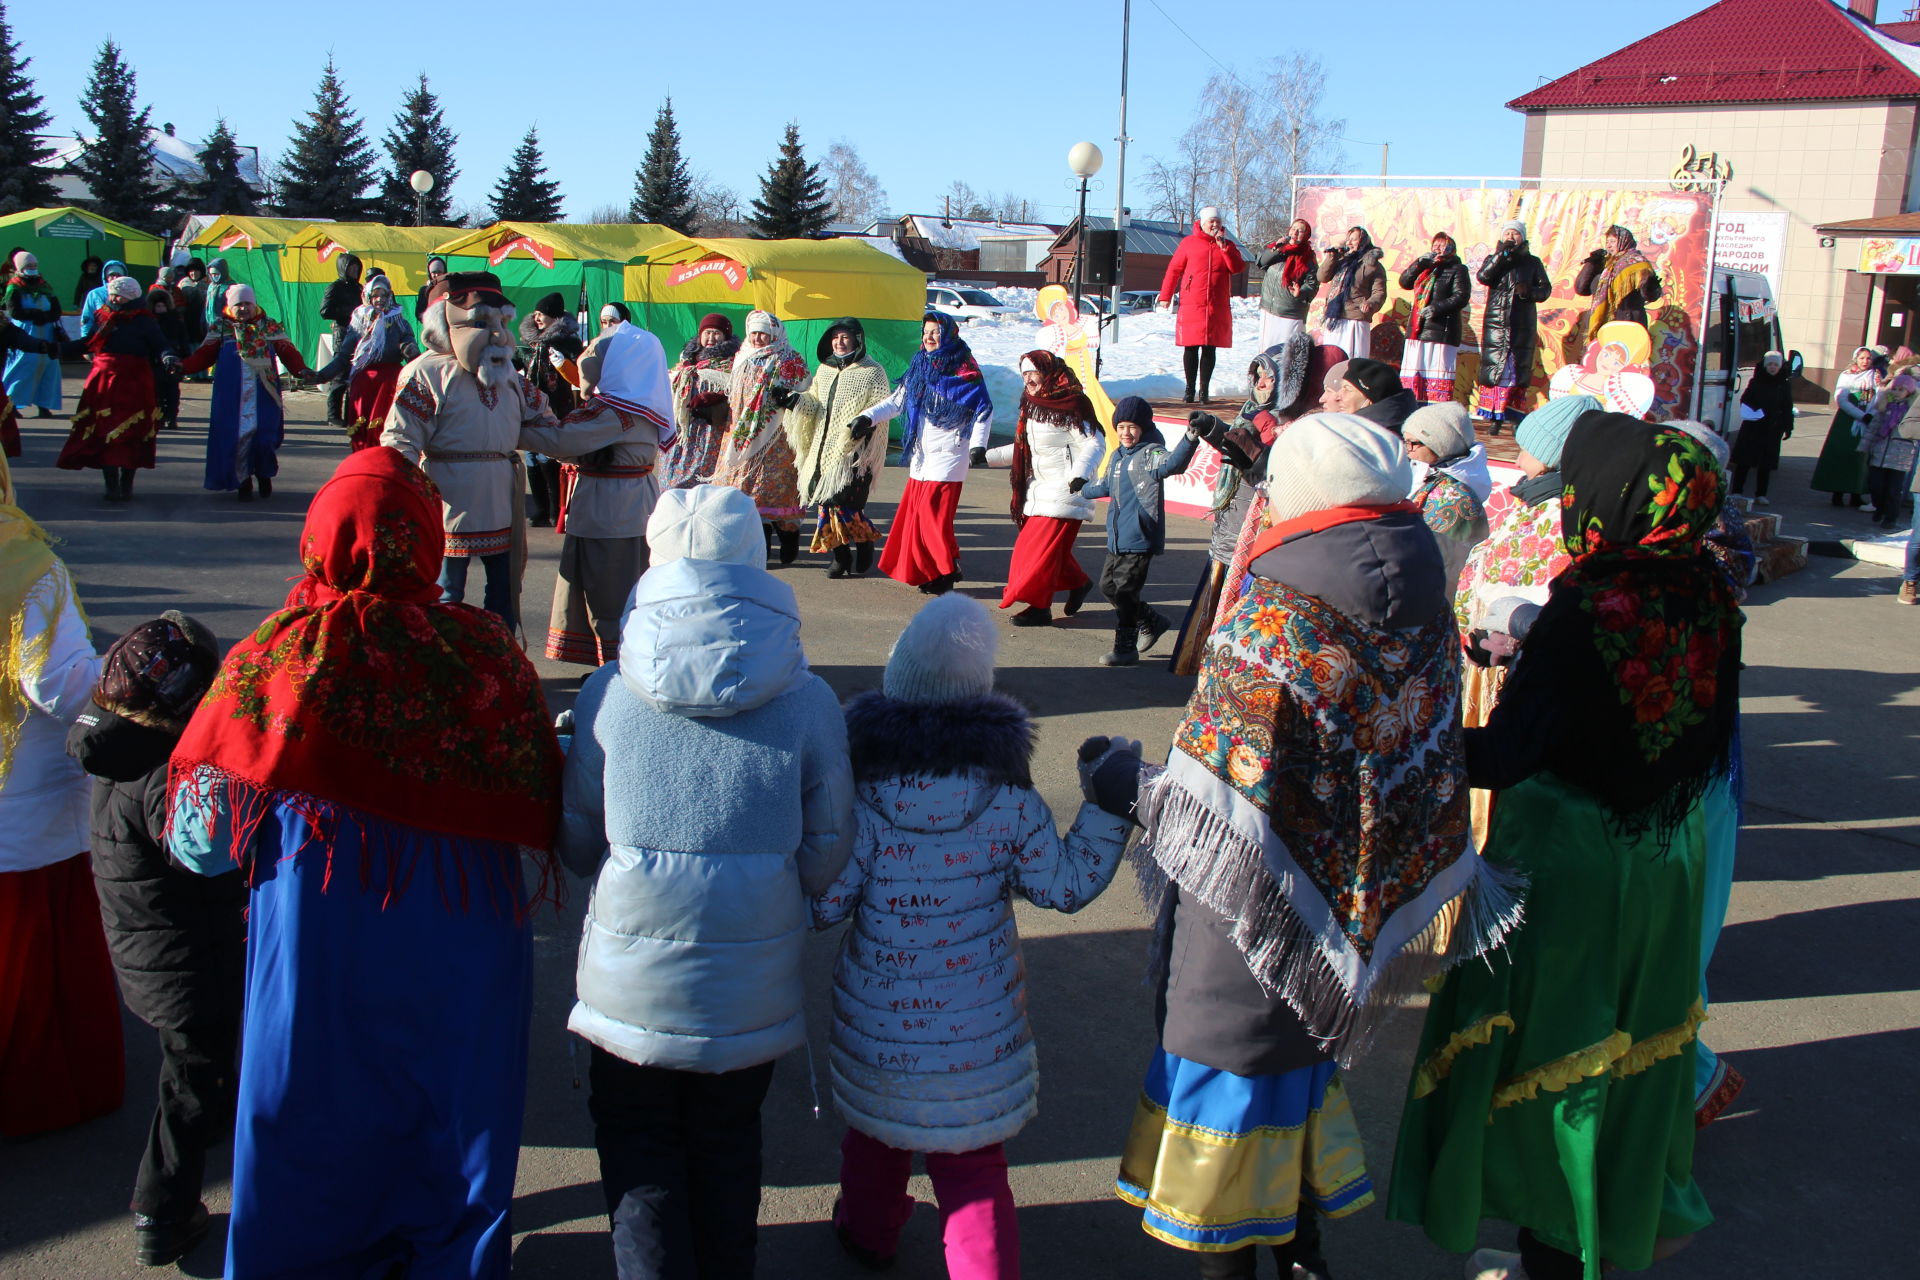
(991, 92)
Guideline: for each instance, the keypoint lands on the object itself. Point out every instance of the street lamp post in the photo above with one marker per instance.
(1084, 161)
(422, 182)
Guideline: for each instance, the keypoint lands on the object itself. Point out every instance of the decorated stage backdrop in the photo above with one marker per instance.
(1564, 225)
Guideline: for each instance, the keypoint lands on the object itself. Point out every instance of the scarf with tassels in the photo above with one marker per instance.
(1059, 403)
(367, 701)
(756, 372)
(29, 573)
(1316, 796)
(1623, 273)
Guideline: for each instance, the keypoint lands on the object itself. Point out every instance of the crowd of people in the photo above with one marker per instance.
(1431, 724)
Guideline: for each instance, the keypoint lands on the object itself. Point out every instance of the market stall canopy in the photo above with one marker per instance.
(310, 261)
(581, 261)
(252, 247)
(63, 238)
(806, 283)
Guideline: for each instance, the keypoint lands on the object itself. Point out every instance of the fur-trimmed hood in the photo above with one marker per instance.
(989, 737)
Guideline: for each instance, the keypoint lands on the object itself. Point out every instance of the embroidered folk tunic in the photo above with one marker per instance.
(464, 435)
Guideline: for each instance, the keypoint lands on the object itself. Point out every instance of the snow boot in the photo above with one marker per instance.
(789, 546)
(842, 563)
(266, 486)
(1033, 617)
(1152, 627)
(246, 490)
(862, 559)
(1126, 649)
(112, 478)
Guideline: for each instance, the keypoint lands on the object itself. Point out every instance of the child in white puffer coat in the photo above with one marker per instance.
(930, 1046)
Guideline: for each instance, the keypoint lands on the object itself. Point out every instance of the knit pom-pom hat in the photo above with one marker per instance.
(945, 654)
(1543, 433)
(1330, 460)
(706, 522)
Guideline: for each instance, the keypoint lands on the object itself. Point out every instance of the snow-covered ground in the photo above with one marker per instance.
(1144, 362)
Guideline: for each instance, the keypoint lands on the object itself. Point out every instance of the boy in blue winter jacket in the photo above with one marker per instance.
(1136, 525)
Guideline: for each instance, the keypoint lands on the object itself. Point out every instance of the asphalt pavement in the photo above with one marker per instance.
(1815, 987)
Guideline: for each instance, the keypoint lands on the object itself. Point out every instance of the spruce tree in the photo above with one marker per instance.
(524, 192)
(23, 183)
(328, 166)
(793, 196)
(115, 162)
(221, 189)
(662, 187)
(419, 139)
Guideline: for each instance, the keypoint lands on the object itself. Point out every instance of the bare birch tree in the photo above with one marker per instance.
(856, 193)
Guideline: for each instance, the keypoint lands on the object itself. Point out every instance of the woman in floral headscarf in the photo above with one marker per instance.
(1056, 441)
(379, 764)
(701, 379)
(245, 422)
(1555, 1083)
(755, 455)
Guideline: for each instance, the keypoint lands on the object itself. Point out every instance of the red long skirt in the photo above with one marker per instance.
(61, 1056)
(118, 416)
(1043, 563)
(920, 544)
(369, 396)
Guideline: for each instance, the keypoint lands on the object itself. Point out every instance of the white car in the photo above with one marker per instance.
(965, 302)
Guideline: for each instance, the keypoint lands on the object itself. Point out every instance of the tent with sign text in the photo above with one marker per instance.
(310, 261)
(806, 283)
(583, 262)
(252, 247)
(64, 238)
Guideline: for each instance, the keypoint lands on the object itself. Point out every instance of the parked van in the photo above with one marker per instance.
(1742, 325)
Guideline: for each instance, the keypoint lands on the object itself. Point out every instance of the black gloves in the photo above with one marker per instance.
(1598, 258)
(783, 397)
(861, 427)
(977, 458)
(1205, 425)
(1076, 484)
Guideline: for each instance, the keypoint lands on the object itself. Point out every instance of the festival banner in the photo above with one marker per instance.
(1564, 225)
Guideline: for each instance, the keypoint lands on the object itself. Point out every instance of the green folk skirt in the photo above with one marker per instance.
(1554, 1085)
(1842, 467)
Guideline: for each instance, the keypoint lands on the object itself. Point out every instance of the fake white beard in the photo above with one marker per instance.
(496, 366)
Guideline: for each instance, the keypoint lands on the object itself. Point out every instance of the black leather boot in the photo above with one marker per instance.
(126, 484)
(789, 546)
(842, 562)
(862, 559)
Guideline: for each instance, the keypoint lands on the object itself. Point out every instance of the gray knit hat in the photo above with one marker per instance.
(945, 654)
(1444, 428)
(1330, 460)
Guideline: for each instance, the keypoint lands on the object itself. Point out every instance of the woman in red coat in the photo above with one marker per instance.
(1202, 269)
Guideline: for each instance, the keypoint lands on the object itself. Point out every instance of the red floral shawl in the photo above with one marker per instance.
(366, 693)
(1061, 402)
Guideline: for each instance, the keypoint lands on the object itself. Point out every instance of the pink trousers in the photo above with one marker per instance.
(977, 1221)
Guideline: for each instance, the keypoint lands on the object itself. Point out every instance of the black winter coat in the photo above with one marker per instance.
(1517, 282)
(345, 294)
(1445, 318)
(178, 939)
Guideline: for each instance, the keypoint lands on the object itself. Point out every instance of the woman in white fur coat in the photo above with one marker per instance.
(1056, 451)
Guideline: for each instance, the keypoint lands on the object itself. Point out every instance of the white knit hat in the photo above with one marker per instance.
(1211, 211)
(239, 293)
(1334, 460)
(706, 522)
(26, 264)
(125, 288)
(945, 654)
(1443, 428)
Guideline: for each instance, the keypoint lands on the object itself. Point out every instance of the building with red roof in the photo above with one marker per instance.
(1807, 110)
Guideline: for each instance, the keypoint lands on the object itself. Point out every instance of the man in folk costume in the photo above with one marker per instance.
(377, 344)
(458, 415)
(949, 420)
(381, 800)
(1307, 848)
(613, 439)
(118, 417)
(838, 460)
(1620, 281)
(755, 455)
(245, 423)
(1057, 440)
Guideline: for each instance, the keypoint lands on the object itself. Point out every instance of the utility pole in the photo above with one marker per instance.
(1120, 179)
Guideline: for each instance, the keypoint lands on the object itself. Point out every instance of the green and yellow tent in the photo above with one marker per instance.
(252, 247)
(310, 261)
(808, 284)
(583, 262)
(64, 238)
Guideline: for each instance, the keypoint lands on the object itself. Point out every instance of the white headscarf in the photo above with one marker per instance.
(628, 369)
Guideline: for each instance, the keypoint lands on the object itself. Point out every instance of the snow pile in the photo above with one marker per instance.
(1143, 362)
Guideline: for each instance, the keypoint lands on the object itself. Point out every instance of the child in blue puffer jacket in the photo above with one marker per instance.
(1136, 525)
(930, 1046)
